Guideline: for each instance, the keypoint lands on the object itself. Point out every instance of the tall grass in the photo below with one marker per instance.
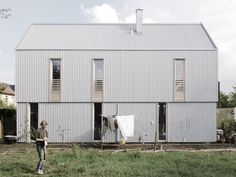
(77, 162)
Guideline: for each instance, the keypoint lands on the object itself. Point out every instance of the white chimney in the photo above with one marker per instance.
(139, 20)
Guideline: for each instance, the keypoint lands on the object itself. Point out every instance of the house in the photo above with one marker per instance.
(7, 94)
(165, 75)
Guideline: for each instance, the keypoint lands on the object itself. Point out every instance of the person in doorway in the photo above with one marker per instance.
(41, 142)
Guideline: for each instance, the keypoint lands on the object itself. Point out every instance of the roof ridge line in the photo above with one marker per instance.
(116, 24)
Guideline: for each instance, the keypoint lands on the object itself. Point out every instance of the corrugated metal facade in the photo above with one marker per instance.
(191, 122)
(145, 115)
(138, 74)
(186, 122)
(130, 76)
(76, 118)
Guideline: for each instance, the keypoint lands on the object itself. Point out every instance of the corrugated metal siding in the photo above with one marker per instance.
(77, 77)
(129, 76)
(138, 76)
(77, 117)
(191, 122)
(201, 74)
(116, 36)
(21, 115)
(144, 120)
(32, 74)
(32, 78)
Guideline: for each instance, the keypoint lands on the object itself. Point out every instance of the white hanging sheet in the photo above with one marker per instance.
(126, 125)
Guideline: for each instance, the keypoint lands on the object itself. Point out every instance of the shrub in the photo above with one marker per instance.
(75, 151)
(229, 128)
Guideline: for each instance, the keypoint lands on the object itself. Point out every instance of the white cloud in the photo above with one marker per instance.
(7, 76)
(148, 20)
(106, 14)
(130, 19)
(102, 14)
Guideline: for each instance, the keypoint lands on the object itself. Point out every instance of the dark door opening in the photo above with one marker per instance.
(97, 120)
(162, 121)
(33, 118)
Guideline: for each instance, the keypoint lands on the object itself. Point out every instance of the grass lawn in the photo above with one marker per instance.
(78, 162)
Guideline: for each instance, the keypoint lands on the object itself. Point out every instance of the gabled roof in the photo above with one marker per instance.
(116, 37)
(6, 89)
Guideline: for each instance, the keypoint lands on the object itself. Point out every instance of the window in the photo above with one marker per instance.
(55, 79)
(98, 79)
(179, 79)
(6, 99)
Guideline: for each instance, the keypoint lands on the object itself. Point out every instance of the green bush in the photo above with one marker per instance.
(229, 128)
(76, 151)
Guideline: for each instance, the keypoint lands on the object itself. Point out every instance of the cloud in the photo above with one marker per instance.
(7, 76)
(219, 19)
(105, 13)
(101, 14)
(148, 20)
(132, 19)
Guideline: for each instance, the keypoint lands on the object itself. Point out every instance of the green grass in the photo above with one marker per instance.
(77, 162)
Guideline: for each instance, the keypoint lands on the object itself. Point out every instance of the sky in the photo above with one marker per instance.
(218, 17)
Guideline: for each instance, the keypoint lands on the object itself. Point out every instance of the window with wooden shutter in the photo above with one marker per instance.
(179, 80)
(55, 86)
(98, 80)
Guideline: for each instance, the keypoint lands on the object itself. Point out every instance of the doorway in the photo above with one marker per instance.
(33, 119)
(97, 120)
(162, 121)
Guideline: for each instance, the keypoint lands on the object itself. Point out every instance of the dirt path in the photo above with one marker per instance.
(27, 148)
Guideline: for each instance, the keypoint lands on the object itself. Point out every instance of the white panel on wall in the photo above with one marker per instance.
(75, 118)
(201, 76)
(31, 76)
(191, 122)
(140, 76)
(144, 120)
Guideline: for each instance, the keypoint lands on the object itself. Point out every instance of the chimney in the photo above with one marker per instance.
(139, 20)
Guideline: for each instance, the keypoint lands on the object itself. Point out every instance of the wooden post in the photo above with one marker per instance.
(102, 131)
(157, 124)
(155, 144)
(1, 128)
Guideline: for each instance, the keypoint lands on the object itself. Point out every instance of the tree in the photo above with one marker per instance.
(1, 91)
(232, 98)
(228, 126)
(224, 100)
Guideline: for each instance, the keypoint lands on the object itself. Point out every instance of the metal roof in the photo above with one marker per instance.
(6, 89)
(116, 37)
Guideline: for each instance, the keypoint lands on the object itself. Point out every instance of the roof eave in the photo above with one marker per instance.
(116, 49)
(209, 37)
